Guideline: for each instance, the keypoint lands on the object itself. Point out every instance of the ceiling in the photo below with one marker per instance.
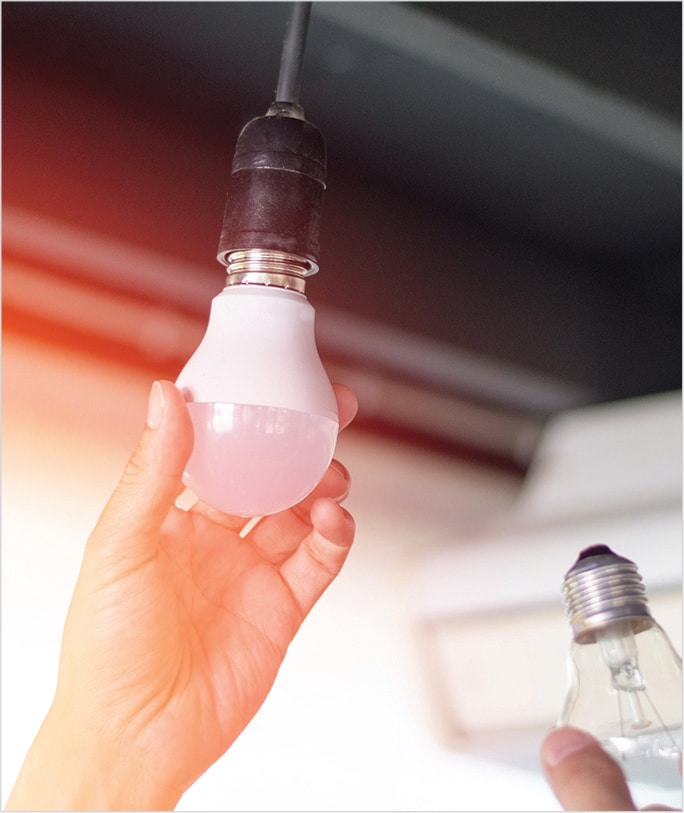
(501, 232)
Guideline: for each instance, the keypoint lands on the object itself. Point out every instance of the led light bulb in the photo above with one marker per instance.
(263, 409)
(624, 676)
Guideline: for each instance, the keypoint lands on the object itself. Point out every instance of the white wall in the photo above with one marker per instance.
(347, 725)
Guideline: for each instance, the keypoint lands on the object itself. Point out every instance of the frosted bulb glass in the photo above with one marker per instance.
(262, 406)
(624, 676)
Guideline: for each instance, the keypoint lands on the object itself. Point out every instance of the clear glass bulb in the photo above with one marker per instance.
(624, 676)
(263, 409)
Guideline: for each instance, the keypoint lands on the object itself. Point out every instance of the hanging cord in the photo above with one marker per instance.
(271, 223)
(290, 77)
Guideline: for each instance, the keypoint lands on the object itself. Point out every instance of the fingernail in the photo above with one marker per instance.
(155, 406)
(340, 469)
(563, 742)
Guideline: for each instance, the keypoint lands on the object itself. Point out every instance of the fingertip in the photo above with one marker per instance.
(340, 481)
(175, 419)
(335, 484)
(347, 404)
(582, 775)
(333, 522)
(562, 742)
(173, 397)
(155, 406)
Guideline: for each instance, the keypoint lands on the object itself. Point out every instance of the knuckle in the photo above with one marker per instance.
(136, 467)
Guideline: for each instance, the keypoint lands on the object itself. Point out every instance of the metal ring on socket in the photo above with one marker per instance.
(254, 266)
(258, 259)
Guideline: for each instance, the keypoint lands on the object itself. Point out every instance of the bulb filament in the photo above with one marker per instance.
(619, 650)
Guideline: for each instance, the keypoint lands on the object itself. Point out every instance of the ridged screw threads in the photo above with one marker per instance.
(277, 268)
(602, 587)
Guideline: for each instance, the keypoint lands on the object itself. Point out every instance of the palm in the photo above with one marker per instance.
(194, 638)
(213, 621)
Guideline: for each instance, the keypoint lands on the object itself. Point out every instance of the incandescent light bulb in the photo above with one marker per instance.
(624, 676)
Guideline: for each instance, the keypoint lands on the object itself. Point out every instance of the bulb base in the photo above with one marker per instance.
(600, 588)
(255, 266)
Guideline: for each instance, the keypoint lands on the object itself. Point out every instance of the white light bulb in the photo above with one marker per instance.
(263, 409)
(624, 676)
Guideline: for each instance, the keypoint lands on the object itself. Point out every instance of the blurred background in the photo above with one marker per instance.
(500, 283)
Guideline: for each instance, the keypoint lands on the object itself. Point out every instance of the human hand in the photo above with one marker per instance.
(582, 775)
(177, 627)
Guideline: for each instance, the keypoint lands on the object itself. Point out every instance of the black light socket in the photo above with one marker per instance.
(275, 193)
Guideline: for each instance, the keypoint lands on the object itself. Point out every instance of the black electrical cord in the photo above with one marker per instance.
(292, 59)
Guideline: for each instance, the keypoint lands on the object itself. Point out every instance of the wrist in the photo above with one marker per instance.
(71, 767)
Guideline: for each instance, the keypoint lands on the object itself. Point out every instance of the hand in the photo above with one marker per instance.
(582, 775)
(177, 627)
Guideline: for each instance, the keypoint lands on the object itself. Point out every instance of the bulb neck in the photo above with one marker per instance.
(601, 588)
(255, 266)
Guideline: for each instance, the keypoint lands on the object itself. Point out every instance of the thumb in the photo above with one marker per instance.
(151, 480)
(581, 774)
